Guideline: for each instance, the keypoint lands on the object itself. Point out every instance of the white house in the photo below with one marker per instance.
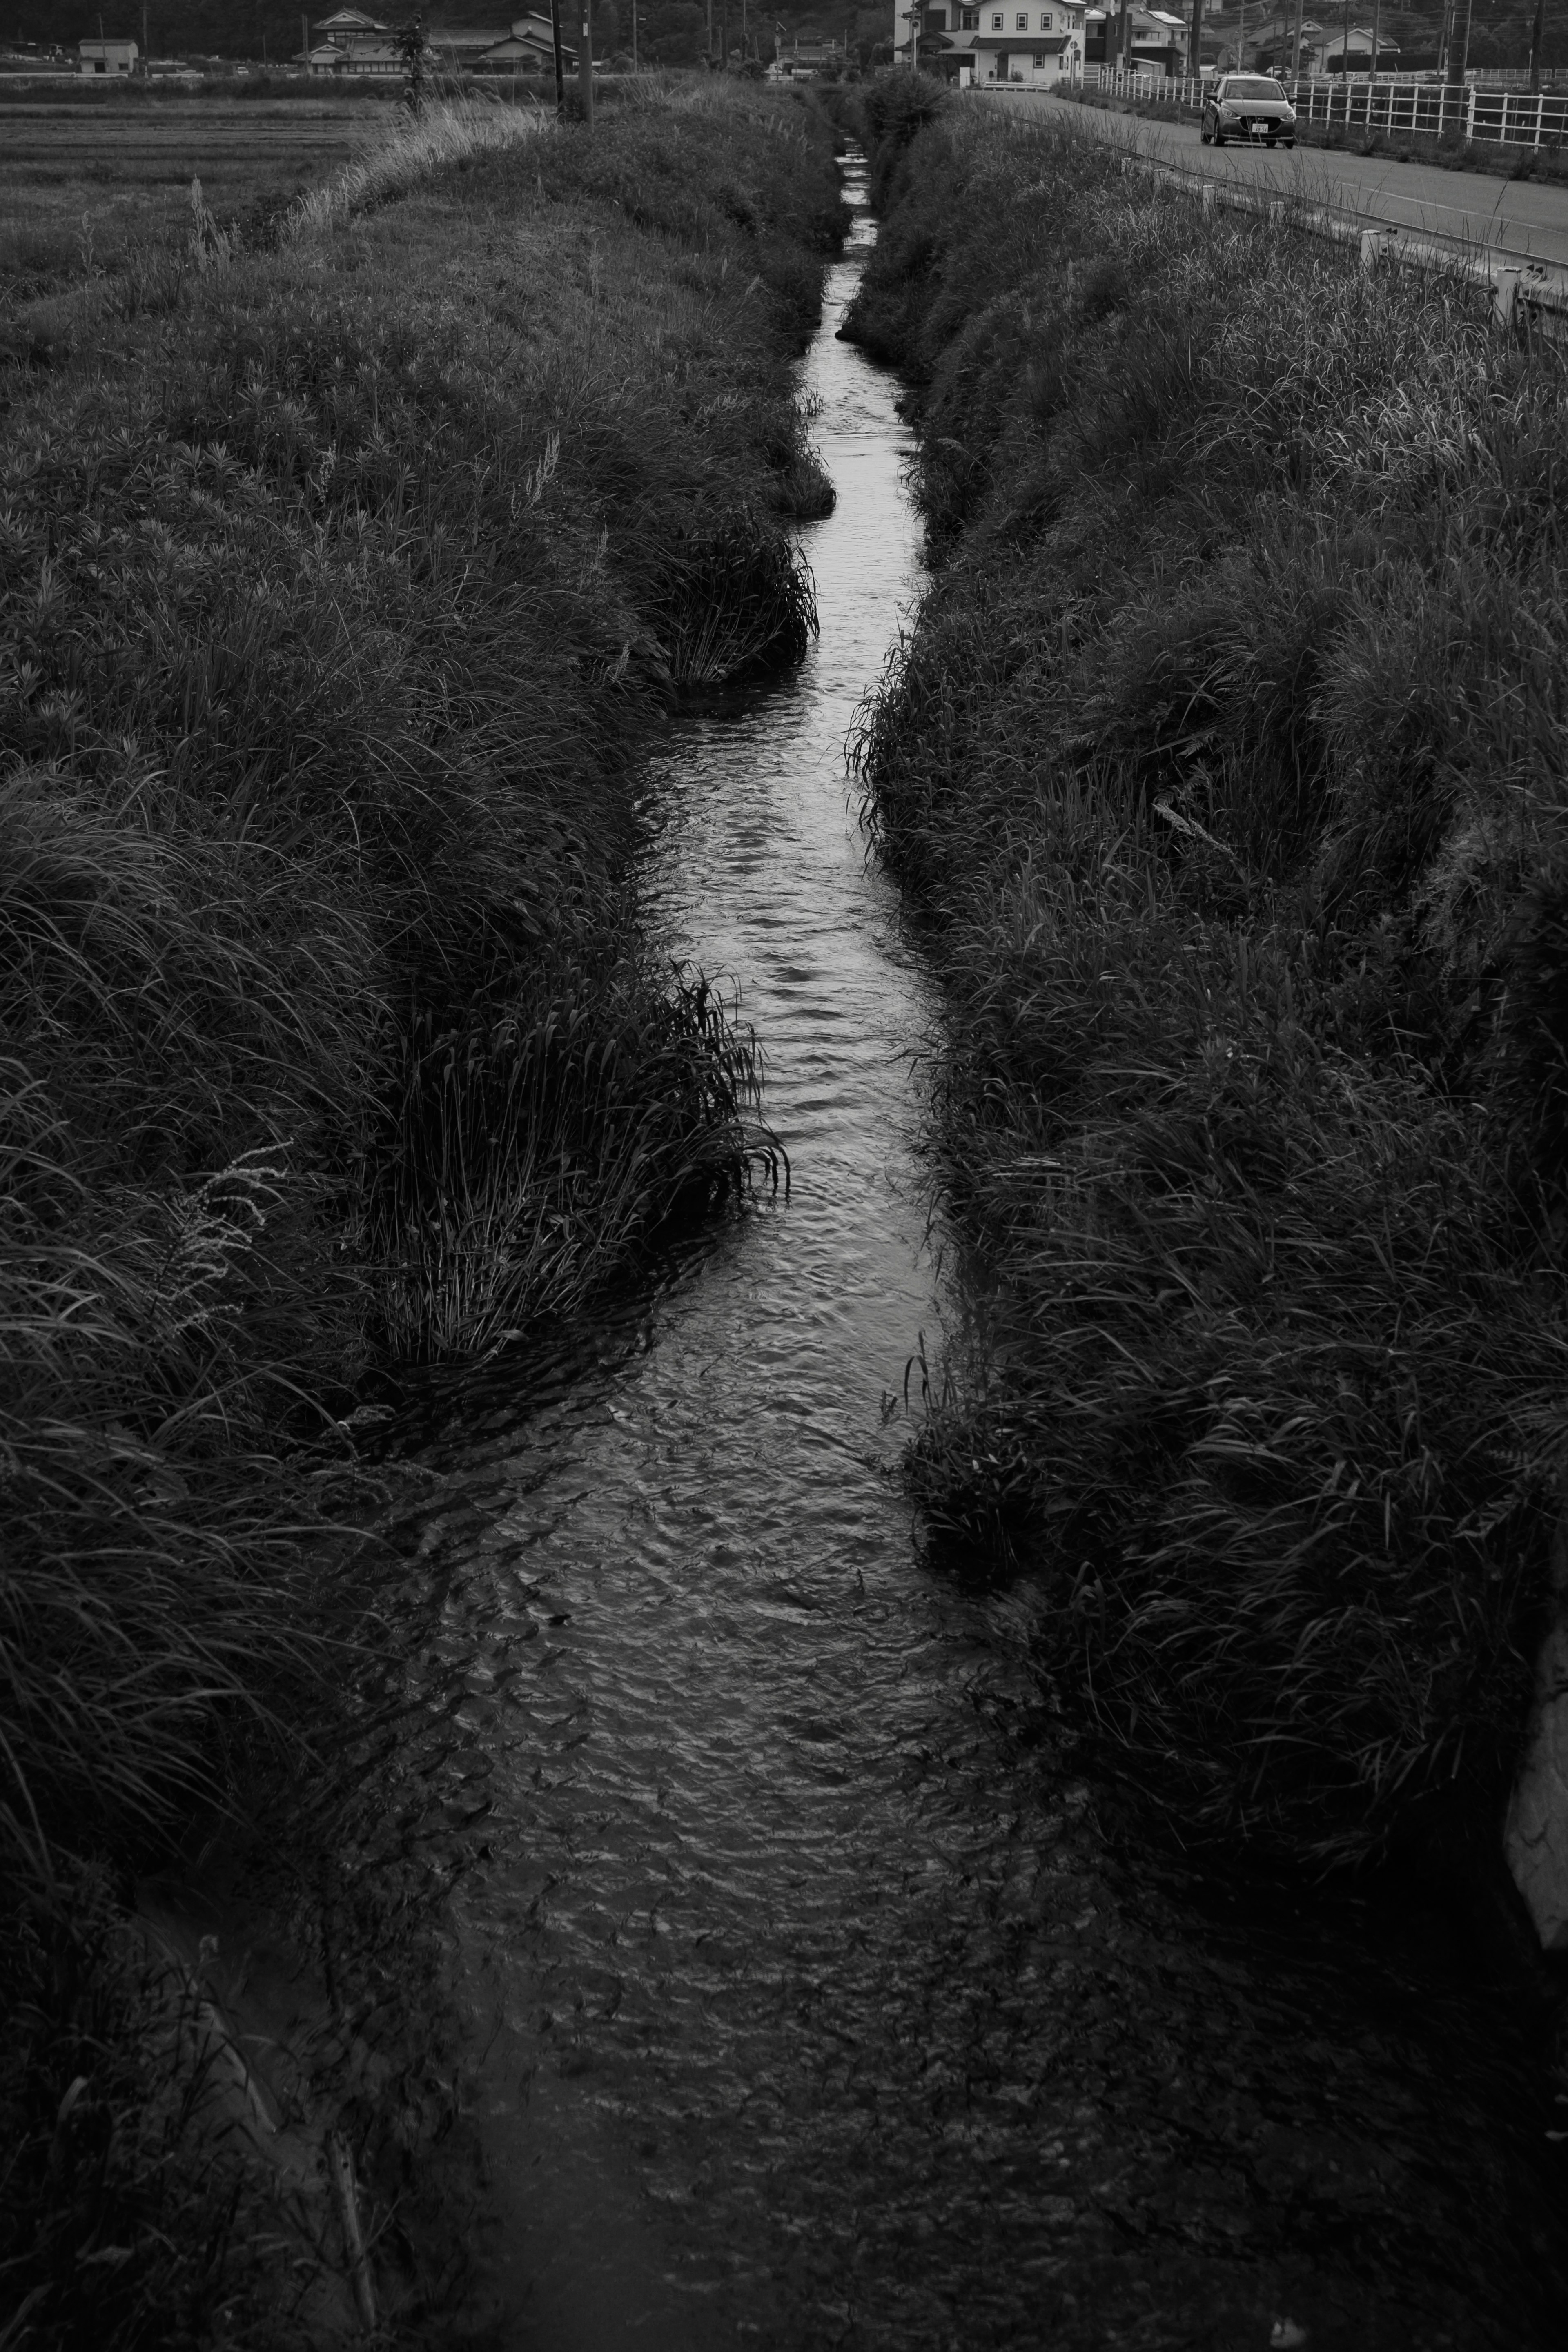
(107, 56)
(1036, 46)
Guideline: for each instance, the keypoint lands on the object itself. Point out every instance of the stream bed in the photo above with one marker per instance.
(812, 2004)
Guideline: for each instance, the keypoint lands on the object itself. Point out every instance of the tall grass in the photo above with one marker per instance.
(407, 149)
(340, 585)
(1227, 755)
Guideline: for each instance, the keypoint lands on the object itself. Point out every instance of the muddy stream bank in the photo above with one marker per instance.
(811, 2002)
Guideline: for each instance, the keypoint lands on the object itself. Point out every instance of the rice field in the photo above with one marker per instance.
(82, 187)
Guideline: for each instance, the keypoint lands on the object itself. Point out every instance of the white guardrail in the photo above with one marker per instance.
(1424, 108)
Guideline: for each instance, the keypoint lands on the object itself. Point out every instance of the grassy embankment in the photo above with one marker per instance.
(340, 584)
(1226, 756)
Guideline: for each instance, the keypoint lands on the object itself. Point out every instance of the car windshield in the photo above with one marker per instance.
(1252, 86)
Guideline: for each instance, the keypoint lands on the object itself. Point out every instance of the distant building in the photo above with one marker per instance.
(1142, 40)
(1337, 54)
(351, 43)
(803, 61)
(107, 56)
(528, 46)
(1036, 47)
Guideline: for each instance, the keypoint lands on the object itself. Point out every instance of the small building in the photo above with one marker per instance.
(805, 60)
(1339, 52)
(118, 57)
(1275, 42)
(1139, 40)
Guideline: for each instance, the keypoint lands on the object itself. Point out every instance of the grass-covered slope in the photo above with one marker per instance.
(1227, 757)
(340, 583)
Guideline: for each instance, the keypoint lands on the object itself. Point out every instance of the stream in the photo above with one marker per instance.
(813, 2003)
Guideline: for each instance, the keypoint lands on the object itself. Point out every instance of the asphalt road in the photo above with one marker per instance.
(1526, 219)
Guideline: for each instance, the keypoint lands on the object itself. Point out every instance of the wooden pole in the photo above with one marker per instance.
(1535, 35)
(586, 66)
(560, 60)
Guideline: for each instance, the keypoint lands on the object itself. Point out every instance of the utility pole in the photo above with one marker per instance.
(710, 35)
(560, 60)
(1376, 31)
(1535, 33)
(1465, 52)
(305, 37)
(1195, 62)
(1295, 45)
(586, 65)
(634, 35)
(724, 35)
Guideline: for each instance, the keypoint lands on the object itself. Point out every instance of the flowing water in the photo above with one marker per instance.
(812, 2009)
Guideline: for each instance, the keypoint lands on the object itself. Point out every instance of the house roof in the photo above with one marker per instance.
(349, 20)
(528, 44)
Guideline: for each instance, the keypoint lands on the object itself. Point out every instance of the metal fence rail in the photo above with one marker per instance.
(1424, 108)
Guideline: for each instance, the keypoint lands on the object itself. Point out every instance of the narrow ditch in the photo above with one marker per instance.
(811, 2002)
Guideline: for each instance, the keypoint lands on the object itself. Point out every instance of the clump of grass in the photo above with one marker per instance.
(408, 148)
(533, 1156)
(1226, 757)
(736, 603)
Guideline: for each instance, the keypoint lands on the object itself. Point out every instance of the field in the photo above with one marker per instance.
(81, 186)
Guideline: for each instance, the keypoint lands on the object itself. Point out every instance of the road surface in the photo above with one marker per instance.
(1526, 220)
